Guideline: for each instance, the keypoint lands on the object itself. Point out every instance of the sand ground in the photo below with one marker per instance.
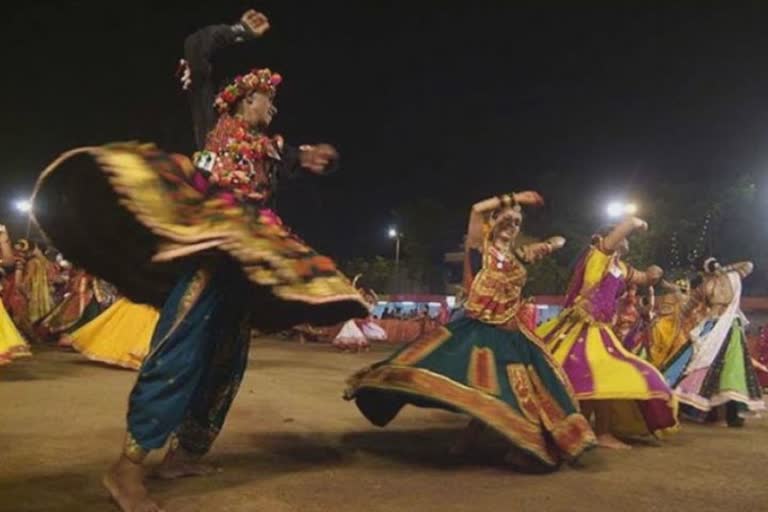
(292, 444)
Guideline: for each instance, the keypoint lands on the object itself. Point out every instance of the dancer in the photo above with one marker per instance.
(487, 364)
(28, 292)
(633, 320)
(628, 396)
(357, 335)
(37, 283)
(201, 244)
(669, 334)
(84, 299)
(12, 344)
(721, 372)
(351, 338)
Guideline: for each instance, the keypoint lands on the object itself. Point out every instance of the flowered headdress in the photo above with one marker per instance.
(257, 80)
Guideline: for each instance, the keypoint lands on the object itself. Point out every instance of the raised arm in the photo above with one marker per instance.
(199, 49)
(482, 209)
(743, 268)
(532, 253)
(647, 277)
(615, 238)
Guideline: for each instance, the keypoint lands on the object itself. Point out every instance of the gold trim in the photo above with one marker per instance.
(481, 373)
(551, 413)
(522, 388)
(422, 347)
(132, 450)
(488, 409)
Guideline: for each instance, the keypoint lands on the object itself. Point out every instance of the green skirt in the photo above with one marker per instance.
(505, 379)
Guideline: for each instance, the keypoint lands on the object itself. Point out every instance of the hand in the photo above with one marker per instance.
(654, 273)
(316, 158)
(256, 22)
(529, 198)
(556, 242)
(639, 224)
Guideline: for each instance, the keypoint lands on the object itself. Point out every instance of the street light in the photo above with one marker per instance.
(23, 205)
(616, 209)
(394, 234)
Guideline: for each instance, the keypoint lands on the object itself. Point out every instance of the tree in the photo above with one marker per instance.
(377, 272)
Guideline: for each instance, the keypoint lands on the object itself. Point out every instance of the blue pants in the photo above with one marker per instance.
(197, 358)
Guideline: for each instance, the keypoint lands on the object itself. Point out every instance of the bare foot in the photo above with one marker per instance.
(125, 483)
(180, 464)
(609, 441)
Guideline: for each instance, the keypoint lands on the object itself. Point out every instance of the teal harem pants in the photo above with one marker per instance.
(197, 358)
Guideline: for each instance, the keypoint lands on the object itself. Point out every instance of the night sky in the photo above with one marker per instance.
(421, 99)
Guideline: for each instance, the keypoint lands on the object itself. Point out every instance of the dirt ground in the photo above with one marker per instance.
(292, 444)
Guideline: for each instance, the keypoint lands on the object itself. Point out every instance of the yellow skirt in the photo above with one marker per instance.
(667, 337)
(12, 344)
(119, 336)
(600, 368)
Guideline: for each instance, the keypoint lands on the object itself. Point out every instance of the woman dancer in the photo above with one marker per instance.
(487, 364)
(628, 396)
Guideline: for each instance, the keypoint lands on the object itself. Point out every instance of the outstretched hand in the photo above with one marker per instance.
(529, 198)
(557, 242)
(639, 224)
(316, 158)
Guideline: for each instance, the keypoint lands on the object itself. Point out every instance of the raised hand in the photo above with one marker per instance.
(256, 22)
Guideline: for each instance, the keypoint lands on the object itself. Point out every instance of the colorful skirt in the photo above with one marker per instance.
(600, 368)
(730, 378)
(70, 314)
(12, 344)
(129, 213)
(502, 378)
(119, 336)
(668, 338)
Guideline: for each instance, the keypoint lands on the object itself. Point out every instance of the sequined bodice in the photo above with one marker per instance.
(239, 161)
(495, 295)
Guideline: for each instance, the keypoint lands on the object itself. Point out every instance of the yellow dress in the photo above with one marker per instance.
(668, 331)
(12, 344)
(37, 286)
(119, 336)
(582, 340)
